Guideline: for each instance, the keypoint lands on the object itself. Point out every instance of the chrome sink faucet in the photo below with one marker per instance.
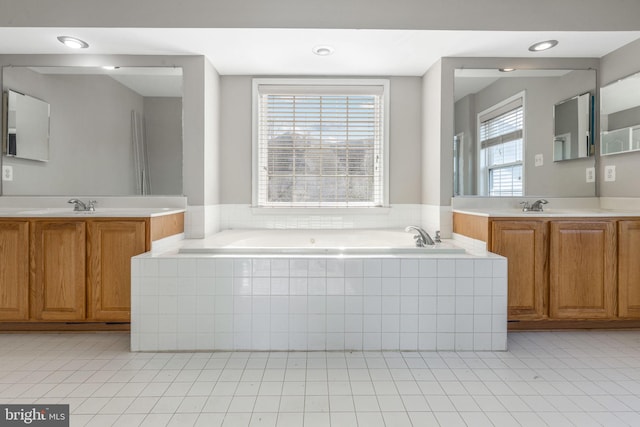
(537, 205)
(80, 206)
(534, 207)
(422, 238)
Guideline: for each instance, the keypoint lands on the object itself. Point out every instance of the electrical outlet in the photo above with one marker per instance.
(7, 173)
(539, 160)
(610, 173)
(591, 174)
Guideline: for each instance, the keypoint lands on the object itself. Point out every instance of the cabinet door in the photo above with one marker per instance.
(628, 269)
(14, 274)
(111, 246)
(524, 244)
(582, 282)
(58, 270)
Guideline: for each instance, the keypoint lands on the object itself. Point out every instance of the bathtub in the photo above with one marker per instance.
(317, 290)
(270, 243)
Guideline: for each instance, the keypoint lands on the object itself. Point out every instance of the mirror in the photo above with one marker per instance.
(620, 116)
(573, 124)
(26, 127)
(517, 160)
(113, 132)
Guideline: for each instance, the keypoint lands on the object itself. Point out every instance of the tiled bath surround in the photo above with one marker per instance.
(202, 221)
(239, 303)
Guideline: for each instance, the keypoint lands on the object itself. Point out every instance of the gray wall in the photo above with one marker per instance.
(621, 63)
(433, 172)
(163, 124)
(404, 140)
(90, 142)
(520, 15)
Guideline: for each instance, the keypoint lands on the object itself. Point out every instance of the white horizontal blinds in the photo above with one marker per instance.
(501, 136)
(320, 146)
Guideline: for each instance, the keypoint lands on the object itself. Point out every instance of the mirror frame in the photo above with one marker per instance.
(584, 98)
(582, 188)
(145, 73)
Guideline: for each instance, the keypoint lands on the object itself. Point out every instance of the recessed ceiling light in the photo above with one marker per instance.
(110, 67)
(506, 70)
(73, 42)
(322, 50)
(540, 46)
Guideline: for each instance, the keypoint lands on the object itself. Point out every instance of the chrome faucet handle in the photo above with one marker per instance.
(91, 206)
(419, 241)
(526, 206)
(437, 238)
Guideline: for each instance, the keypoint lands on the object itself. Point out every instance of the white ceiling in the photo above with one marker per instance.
(288, 51)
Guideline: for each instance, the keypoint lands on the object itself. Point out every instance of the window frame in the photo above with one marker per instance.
(488, 114)
(301, 82)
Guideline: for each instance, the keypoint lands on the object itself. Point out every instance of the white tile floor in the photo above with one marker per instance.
(581, 379)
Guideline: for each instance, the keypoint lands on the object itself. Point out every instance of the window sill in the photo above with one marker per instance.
(261, 210)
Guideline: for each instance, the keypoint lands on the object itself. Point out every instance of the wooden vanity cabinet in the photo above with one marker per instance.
(582, 266)
(73, 274)
(14, 274)
(628, 269)
(111, 244)
(524, 244)
(58, 282)
(579, 272)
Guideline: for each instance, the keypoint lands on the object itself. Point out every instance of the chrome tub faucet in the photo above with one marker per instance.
(422, 238)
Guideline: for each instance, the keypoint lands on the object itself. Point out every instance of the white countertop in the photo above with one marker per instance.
(549, 212)
(68, 212)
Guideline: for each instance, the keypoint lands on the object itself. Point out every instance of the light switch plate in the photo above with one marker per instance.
(610, 173)
(7, 173)
(539, 160)
(591, 174)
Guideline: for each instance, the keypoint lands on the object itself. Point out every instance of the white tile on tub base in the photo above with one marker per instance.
(149, 341)
(223, 341)
(167, 342)
(390, 341)
(372, 341)
(483, 342)
(464, 342)
(206, 307)
(353, 341)
(408, 341)
(279, 341)
(297, 341)
(445, 341)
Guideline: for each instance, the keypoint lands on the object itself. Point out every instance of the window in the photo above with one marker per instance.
(320, 143)
(501, 147)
